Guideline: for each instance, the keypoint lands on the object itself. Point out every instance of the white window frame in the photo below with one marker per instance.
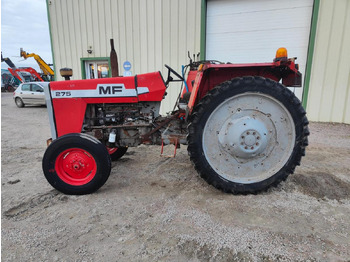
(95, 64)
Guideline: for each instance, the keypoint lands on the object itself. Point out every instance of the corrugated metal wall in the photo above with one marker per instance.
(148, 33)
(329, 93)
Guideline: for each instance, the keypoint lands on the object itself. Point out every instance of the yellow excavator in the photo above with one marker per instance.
(47, 70)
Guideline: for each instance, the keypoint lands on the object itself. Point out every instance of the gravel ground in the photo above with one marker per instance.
(159, 209)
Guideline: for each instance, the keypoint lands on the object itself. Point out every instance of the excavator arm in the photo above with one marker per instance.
(17, 72)
(8, 62)
(42, 64)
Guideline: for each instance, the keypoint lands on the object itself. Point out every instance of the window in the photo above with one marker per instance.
(26, 87)
(96, 69)
(36, 88)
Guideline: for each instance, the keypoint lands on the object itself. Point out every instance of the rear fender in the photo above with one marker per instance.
(214, 74)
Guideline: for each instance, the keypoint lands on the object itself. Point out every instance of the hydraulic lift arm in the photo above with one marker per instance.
(47, 70)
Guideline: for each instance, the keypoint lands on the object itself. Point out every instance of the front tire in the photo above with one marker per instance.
(76, 164)
(247, 134)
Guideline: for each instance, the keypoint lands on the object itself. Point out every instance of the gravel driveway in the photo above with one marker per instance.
(159, 209)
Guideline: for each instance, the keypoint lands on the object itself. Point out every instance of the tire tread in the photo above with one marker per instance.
(255, 83)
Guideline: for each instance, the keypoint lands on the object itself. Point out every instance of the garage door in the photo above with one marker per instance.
(241, 31)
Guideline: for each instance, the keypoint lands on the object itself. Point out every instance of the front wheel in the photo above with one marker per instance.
(76, 164)
(247, 134)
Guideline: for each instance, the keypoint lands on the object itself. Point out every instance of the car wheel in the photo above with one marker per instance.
(19, 102)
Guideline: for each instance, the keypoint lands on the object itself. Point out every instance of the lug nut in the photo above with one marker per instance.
(257, 144)
(245, 147)
(258, 137)
(252, 148)
(254, 133)
(248, 133)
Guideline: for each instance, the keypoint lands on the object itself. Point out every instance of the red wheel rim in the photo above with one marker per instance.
(75, 166)
(112, 150)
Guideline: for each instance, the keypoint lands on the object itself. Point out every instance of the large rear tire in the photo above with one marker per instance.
(76, 164)
(247, 134)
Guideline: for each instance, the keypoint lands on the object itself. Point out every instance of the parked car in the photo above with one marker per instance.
(30, 93)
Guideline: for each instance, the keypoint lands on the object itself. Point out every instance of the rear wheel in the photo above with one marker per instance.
(76, 164)
(116, 152)
(10, 88)
(247, 134)
(19, 102)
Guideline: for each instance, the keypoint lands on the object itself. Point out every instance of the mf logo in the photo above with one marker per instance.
(109, 89)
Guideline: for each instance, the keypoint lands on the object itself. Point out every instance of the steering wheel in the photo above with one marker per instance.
(169, 79)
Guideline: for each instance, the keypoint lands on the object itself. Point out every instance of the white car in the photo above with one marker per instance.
(30, 93)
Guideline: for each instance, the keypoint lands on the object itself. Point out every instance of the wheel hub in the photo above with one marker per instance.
(76, 163)
(244, 137)
(248, 140)
(248, 137)
(75, 166)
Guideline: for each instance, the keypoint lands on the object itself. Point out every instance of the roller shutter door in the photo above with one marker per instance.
(241, 31)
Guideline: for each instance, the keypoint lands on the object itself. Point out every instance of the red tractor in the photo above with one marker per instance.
(244, 129)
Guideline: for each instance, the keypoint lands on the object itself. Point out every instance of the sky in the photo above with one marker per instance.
(24, 24)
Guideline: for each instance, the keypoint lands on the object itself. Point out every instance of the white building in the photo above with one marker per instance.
(151, 33)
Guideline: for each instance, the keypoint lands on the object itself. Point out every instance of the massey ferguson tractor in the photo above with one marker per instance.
(244, 129)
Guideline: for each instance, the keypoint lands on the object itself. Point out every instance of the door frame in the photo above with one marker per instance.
(38, 97)
(25, 95)
(85, 59)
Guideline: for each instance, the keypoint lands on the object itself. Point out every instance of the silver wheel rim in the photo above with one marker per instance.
(248, 138)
